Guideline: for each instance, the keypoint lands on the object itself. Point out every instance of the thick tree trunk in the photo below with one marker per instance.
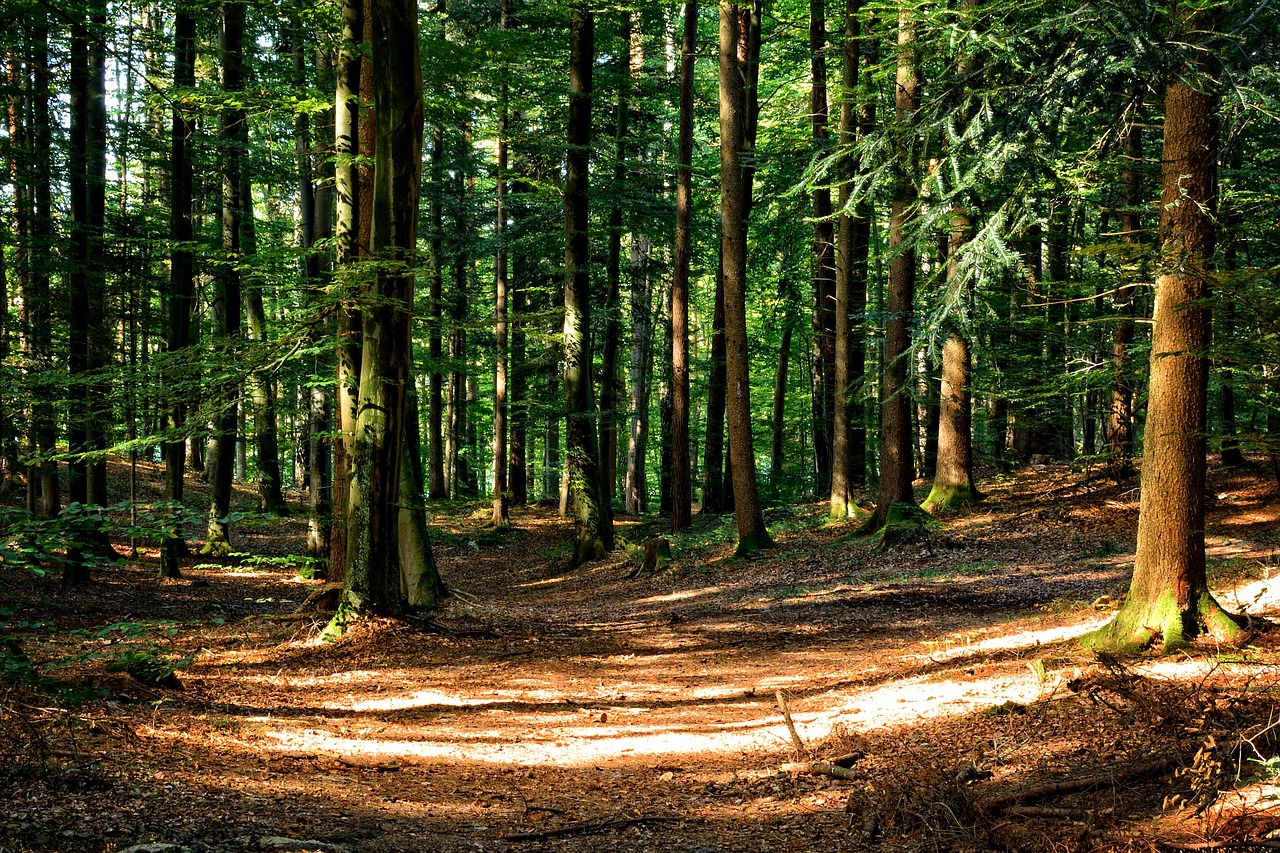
(896, 440)
(1169, 600)
(752, 534)
(389, 566)
(233, 134)
(681, 474)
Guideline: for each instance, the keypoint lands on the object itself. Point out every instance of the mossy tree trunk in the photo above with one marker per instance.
(592, 512)
(1169, 601)
(389, 567)
(752, 534)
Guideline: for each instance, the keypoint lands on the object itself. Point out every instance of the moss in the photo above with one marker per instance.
(1138, 625)
(945, 499)
(842, 510)
(342, 620)
(753, 543)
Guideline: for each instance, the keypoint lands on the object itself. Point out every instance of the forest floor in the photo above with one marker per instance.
(542, 710)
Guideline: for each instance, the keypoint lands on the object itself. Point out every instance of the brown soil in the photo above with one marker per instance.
(641, 713)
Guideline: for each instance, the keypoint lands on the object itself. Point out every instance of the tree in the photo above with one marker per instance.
(388, 569)
(752, 533)
(592, 513)
(1169, 600)
(896, 466)
(681, 478)
(501, 497)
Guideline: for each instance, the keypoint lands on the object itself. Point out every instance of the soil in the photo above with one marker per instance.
(612, 710)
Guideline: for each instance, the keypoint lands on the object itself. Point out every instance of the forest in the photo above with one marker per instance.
(573, 425)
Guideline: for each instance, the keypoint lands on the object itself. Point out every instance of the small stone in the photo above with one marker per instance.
(667, 777)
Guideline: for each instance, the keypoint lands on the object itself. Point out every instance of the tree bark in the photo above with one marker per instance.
(437, 480)
(347, 143)
(1169, 600)
(1120, 413)
(752, 534)
(777, 455)
(233, 135)
(681, 474)
(593, 514)
(501, 496)
(896, 440)
(824, 262)
(388, 568)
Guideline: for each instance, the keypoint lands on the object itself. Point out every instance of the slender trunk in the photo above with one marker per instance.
(681, 474)
(501, 497)
(896, 470)
(233, 134)
(776, 454)
(637, 492)
(1120, 415)
(437, 481)
(752, 534)
(518, 467)
(592, 511)
(826, 304)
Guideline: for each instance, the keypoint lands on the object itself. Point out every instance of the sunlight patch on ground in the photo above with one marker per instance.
(683, 595)
(416, 699)
(1010, 642)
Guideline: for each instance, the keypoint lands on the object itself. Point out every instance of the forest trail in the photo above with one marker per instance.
(540, 701)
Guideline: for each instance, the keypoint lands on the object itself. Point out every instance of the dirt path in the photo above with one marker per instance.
(542, 701)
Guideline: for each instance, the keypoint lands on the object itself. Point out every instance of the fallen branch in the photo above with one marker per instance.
(1109, 778)
(590, 828)
(1260, 844)
(820, 768)
(791, 726)
(1047, 811)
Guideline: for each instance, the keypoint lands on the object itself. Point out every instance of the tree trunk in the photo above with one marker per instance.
(824, 262)
(681, 474)
(518, 466)
(593, 514)
(1169, 600)
(501, 496)
(347, 143)
(437, 479)
(87, 167)
(182, 284)
(896, 468)
(1120, 414)
(262, 386)
(752, 534)
(388, 568)
(641, 367)
(848, 446)
(233, 133)
(776, 453)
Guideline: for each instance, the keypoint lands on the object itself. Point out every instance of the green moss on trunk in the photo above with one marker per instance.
(945, 499)
(1138, 625)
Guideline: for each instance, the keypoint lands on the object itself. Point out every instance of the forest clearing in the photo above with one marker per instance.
(546, 710)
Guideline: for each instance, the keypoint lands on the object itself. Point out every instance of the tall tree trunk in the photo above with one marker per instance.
(182, 284)
(347, 143)
(87, 167)
(593, 514)
(518, 466)
(681, 474)
(848, 441)
(501, 497)
(752, 534)
(1120, 415)
(388, 569)
(896, 440)
(437, 479)
(609, 368)
(1169, 599)
(233, 133)
(824, 263)
(637, 491)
